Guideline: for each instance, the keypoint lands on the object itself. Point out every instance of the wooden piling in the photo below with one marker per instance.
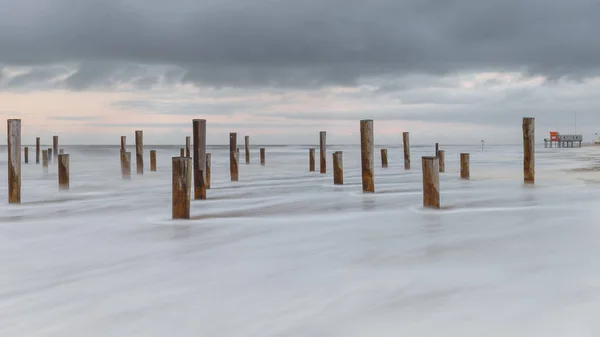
(139, 151)
(14, 160)
(311, 160)
(384, 158)
(37, 150)
(247, 146)
(431, 182)
(366, 155)
(123, 143)
(26, 153)
(442, 159)
(465, 172)
(63, 171)
(126, 165)
(529, 150)
(50, 155)
(323, 151)
(233, 157)
(182, 152)
(152, 160)
(262, 156)
(338, 168)
(54, 148)
(199, 158)
(182, 184)
(437, 148)
(406, 144)
(188, 151)
(208, 164)
(45, 160)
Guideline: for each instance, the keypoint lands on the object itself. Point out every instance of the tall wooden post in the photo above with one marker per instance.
(338, 168)
(182, 184)
(431, 182)
(121, 155)
(45, 160)
(366, 155)
(208, 164)
(247, 145)
(311, 160)
(529, 150)
(465, 172)
(14, 160)
(123, 143)
(384, 159)
(406, 143)
(153, 160)
(139, 151)
(233, 157)
(50, 155)
(26, 153)
(199, 158)
(323, 151)
(126, 165)
(37, 150)
(442, 158)
(63, 171)
(182, 152)
(262, 156)
(188, 152)
(54, 148)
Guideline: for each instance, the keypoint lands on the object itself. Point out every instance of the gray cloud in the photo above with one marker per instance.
(173, 107)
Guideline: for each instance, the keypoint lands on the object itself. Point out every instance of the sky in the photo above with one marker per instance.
(447, 71)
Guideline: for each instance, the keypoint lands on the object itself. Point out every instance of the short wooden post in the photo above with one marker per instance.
(442, 158)
(26, 153)
(37, 150)
(199, 158)
(182, 184)
(323, 151)
(437, 148)
(63, 171)
(153, 160)
(464, 166)
(529, 150)
(139, 151)
(233, 156)
(247, 146)
(50, 155)
(188, 151)
(366, 155)
(431, 182)
(126, 165)
(123, 143)
(338, 168)
(54, 148)
(262, 156)
(208, 159)
(45, 160)
(14, 160)
(182, 152)
(406, 143)
(384, 159)
(311, 160)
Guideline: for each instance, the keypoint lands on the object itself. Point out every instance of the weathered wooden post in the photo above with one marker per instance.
(37, 150)
(431, 182)
(529, 150)
(188, 152)
(406, 143)
(182, 152)
(45, 160)
(14, 160)
(126, 165)
(464, 166)
(311, 160)
(26, 153)
(199, 158)
(152, 160)
(247, 145)
(182, 184)
(437, 148)
(442, 159)
(384, 159)
(338, 168)
(139, 151)
(208, 159)
(262, 156)
(323, 151)
(54, 148)
(366, 155)
(233, 156)
(123, 143)
(121, 156)
(63, 171)
(50, 155)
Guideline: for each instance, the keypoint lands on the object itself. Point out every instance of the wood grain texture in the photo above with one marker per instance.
(367, 156)
(247, 148)
(431, 182)
(14, 160)
(126, 165)
(338, 168)
(188, 150)
(311, 160)
(139, 151)
(406, 145)
(323, 151)
(181, 186)
(465, 171)
(384, 158)
(153, 160)
(63, 172)
(182, 152)
(208, 164)
(262, 156)
(528, 150)
(441, 154)
(233, 156)
(54, 148)
(199, 158)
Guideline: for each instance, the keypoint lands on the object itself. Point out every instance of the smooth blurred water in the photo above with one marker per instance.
(284, 252)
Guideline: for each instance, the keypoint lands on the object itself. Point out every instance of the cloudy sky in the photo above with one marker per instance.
(451, 71)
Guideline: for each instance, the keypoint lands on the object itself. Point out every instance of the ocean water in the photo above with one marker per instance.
(284, 252)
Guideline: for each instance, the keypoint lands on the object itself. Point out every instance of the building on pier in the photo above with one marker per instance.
(560, 140)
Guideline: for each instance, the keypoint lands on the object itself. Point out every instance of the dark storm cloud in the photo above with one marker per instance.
(301, 43)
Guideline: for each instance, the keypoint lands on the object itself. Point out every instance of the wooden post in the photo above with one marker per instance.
(199, 158)
(311, 160)
(14, 160)
(338, 168)
(247, 144)
(208, 159)
(464, 166)
(63, 171)
(45, 160)
(262, 156)
(384, 159)
(322, 150)
(442, 159)
(188, 152)
(406, 143)
(54, 148)
(139, 151)
(50, 155)
(431, 182)
(233, 157)
(366, 155)
(26, 153)
(123, 143)
(126, 165)
(182, 152)
(529, 150)
(437, 148)
(152, 160)
(182, 184)
(37, 150)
